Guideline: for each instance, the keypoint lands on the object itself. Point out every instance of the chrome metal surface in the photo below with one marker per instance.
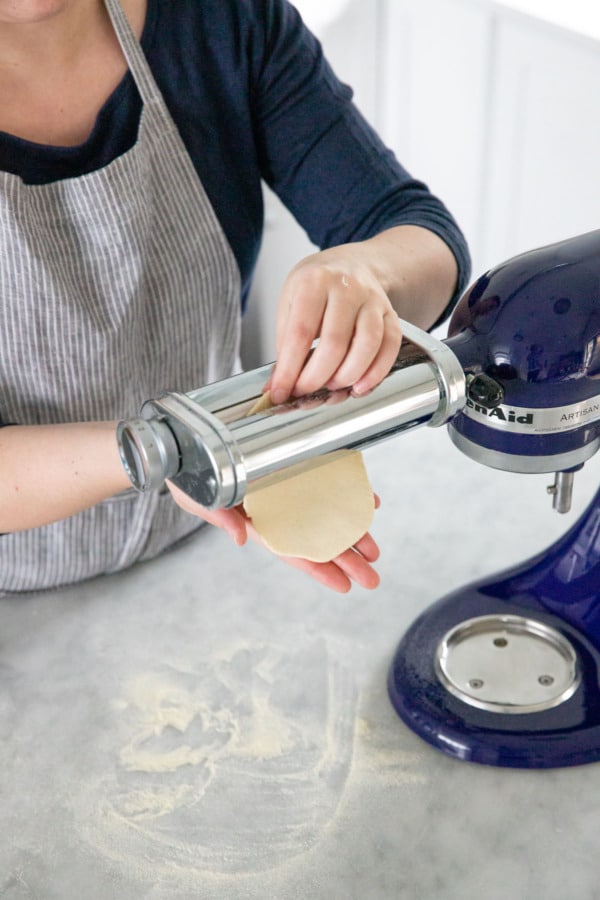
(224, 446)
(562, 491)
(449, 371)
(250, 447)
(526, 465)
(211, 470)
(232, 398)
(507, 664)
(332, 420)
(149, 452)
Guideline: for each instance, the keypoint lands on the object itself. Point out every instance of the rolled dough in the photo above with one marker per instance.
(315, 513)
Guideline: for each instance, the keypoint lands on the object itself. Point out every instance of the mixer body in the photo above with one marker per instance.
(506, 671)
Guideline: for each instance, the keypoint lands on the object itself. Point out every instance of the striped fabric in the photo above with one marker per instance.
(114, 286)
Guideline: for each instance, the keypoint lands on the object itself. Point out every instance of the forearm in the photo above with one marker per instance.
(51, 472)
(417, 270)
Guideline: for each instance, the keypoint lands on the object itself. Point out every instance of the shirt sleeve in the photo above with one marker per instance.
(320, 155)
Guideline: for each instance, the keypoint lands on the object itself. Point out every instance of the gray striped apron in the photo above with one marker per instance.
(114, 286)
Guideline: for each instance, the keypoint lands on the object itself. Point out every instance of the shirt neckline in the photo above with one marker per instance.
(106, 111)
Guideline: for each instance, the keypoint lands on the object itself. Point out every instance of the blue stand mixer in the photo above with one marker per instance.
(505, 671)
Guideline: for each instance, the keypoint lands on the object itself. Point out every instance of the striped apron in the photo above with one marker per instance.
(114, 286)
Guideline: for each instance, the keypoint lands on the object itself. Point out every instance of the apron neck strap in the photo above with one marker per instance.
(133, 53)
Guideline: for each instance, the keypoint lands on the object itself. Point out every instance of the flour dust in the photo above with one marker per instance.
(234, 765)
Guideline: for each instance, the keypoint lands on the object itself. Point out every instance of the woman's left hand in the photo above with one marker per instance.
(336, 296)
(350, 297)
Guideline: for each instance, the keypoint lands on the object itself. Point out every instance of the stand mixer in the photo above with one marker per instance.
(504, 671)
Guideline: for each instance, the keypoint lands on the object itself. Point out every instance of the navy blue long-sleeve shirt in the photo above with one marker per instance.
(254, 99)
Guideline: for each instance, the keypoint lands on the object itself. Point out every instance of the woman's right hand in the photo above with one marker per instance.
(353, 566)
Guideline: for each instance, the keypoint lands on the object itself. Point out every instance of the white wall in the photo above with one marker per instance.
(495, 108)
(495, 105)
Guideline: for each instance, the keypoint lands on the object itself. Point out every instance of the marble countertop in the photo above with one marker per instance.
(215, 725)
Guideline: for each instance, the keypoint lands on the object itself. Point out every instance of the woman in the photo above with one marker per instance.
(133, 140)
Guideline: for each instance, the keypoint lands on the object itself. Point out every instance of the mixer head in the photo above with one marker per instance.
(527, 334)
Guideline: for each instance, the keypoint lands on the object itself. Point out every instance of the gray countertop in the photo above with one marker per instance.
(215, 725)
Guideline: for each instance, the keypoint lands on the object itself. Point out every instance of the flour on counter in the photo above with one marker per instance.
(232, 766)
(376, 751)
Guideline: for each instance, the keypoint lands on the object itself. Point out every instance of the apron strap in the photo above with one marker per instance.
(134, 54)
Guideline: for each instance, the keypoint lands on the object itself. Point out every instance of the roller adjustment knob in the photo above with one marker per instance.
(149, 452)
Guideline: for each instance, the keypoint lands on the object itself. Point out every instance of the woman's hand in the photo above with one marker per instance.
(350, 297)
(335, 296)
(233, 521)
(353, 565)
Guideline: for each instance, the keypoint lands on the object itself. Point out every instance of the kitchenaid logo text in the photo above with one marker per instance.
(504, 415)
(521, 420)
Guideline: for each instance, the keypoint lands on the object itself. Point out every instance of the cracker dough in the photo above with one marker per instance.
(315, 512)
(263, 402)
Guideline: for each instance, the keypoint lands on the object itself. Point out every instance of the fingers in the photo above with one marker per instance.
(372, 353)
(233, 521)
(358, 330)
(300, 313)
(357, 569)
(327, 574)
(352, 566)
(367, 548)
(349, 567)
(337, 333)
(362, 347)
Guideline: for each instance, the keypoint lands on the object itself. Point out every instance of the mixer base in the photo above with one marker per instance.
(564, 731)
(506, 671)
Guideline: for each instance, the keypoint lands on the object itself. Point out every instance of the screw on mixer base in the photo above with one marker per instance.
(507, 664)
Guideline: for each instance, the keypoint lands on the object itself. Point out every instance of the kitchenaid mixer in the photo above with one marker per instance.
(504, 671)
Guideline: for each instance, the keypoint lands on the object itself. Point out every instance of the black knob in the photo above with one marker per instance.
(485, 391)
